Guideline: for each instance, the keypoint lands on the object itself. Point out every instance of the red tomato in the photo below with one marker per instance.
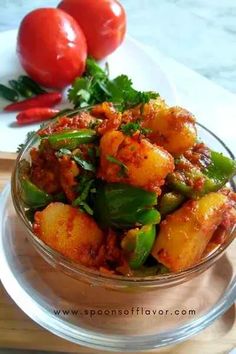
(51, 47)
(102, 21)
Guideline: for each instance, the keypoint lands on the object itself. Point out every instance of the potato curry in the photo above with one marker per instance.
(131, 192)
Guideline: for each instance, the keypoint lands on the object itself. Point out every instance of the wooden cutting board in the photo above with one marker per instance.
(18, 331)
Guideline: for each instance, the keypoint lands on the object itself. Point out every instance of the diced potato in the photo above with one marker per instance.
(184, 235)
(70, 232)
(138, 162)
(143, 110)
(172, 127)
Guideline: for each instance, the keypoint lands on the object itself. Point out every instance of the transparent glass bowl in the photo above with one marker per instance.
(80, 272)
(70, 286)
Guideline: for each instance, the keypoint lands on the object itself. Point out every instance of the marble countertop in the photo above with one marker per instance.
(198, 33)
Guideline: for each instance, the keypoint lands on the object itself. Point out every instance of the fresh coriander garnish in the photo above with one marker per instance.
(96, 87)
(122, 92)
(132, 127)
(85, 207)
(123, 168)
(94, 124)
(146, 131)
(28, 137)
(63, 152)
(85, 186)
(86, 165)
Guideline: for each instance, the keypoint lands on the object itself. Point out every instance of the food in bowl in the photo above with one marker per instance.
(129, 191)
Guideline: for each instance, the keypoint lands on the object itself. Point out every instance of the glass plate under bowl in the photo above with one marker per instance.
(104, 316)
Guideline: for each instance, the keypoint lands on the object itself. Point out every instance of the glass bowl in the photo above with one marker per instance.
(80, 272)
(79, 293)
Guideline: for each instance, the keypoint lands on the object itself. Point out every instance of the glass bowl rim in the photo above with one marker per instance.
(112, 279)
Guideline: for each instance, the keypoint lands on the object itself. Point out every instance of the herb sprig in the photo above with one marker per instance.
(85, 181)
(132, 127)
(85, 187)
(85, 164)
(96, 87)
(28, 137)
(123, 168)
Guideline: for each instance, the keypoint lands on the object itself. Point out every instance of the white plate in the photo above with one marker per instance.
(130, 59)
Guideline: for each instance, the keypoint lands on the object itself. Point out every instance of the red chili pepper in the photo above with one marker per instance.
(45, 100)
(34, 115)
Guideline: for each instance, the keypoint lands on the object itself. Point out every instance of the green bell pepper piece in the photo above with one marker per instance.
(33, 196)
(178, 181)
(169, 202)
(123, 206)
(148, 216)
(214, 177)
(137, 245)
(71, 139)
(60, 197)
(221, 169)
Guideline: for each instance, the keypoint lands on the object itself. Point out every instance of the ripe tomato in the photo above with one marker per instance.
(102, 21)
(51, 47)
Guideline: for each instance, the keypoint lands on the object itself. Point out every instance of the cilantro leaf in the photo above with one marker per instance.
(122, 92)
(123, 168)
(94, 70)
(28, 137)
(85, 207)
(85, 186)
(80, 93)
(96, 87)
(86, 165)
(132, 127)
(62, 152)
